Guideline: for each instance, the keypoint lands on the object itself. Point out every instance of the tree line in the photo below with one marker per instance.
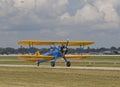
(9, 50)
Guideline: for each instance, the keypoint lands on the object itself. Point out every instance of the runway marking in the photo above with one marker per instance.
(62, 67)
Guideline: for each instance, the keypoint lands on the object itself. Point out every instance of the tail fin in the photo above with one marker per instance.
(37, 53)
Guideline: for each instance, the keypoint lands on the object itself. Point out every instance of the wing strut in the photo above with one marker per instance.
(81, 49)
(31, 48)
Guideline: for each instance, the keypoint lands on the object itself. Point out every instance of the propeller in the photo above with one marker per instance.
(64, 48)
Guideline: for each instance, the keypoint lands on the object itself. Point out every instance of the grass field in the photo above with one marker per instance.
(51, 77)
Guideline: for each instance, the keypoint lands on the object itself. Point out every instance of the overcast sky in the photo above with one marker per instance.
(94, 20)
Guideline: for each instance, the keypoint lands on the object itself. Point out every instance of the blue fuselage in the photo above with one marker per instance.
(54, 52)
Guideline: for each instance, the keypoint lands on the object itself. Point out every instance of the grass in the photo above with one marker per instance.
(8, 57)
(104, 57)
(51, 77)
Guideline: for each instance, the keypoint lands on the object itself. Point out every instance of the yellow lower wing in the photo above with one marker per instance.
(77, 56)
(35, 57)
(42, 57)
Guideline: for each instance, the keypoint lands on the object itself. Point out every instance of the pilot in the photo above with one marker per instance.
(63, 49)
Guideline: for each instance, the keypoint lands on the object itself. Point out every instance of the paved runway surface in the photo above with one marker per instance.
(63, 67)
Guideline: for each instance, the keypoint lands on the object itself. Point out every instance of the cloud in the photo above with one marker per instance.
(59, 19)
(108, 8)
(101, 14)
(42, 7)
(95, 14)
(15, 13)
(87, 14)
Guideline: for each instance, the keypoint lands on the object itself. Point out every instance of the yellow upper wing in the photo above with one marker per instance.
(49, 42)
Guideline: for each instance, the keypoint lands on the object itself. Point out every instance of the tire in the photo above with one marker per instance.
(68, 64)
(52, 64)
(38, 63)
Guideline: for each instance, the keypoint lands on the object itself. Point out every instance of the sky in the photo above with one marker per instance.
(81, 20)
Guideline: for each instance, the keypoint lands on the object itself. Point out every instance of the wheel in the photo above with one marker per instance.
(52, 63)
(68, 64)
(38, 63)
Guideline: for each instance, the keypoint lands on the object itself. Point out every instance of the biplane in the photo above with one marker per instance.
(58, 49)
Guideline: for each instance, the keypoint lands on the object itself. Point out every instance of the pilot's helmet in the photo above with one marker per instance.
(59, 47)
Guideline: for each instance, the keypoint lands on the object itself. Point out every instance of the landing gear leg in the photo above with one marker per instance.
(54, 61)
(68, 63)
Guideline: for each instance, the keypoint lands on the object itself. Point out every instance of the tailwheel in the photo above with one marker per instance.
(68, 64)
(52, 63)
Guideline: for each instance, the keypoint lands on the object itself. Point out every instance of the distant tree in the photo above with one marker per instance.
(113, 48)
(119, 48)
(103, 49)
(71, 50)
(44, 50)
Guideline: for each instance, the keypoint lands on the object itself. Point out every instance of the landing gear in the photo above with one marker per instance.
(68, 64)
(38, 63)
(52, 63)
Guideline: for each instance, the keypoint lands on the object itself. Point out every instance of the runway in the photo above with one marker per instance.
(62, 67)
